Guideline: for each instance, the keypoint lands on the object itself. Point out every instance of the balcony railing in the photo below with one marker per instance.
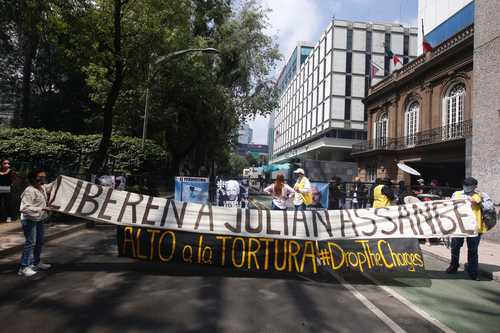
(436, 135)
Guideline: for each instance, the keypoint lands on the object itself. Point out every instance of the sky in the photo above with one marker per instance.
(291, 21)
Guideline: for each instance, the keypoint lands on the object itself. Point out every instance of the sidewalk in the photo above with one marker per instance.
(489, 257)
(12, 237)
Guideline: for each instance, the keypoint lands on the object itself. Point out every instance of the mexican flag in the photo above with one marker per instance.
(395, 58)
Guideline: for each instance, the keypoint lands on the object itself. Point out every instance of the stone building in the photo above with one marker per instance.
(486, 104)
(422, 114)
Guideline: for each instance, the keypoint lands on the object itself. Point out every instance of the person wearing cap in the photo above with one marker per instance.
(383, 194)
(480, 201)
(303, 195)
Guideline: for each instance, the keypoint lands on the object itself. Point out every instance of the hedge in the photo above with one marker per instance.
(63, 152)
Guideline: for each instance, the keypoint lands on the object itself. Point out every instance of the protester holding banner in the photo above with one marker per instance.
(383, 195)
(280, 191)
(6, 176)
(303, 195)
(481, 202)
(33, 210)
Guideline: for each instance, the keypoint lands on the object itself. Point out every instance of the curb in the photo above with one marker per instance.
(48, 238)
(487, 274)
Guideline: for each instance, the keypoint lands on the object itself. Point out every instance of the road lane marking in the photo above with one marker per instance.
(369, 305)
(412, 306)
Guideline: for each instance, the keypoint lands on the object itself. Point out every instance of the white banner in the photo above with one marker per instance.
(104, 204)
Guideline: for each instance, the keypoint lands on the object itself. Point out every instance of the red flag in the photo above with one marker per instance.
(397, 60)
(426, 46)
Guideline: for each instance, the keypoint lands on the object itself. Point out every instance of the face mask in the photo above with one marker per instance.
(41, 180)
(469, 188)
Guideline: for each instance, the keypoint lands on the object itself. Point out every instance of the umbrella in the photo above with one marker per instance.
(408, 169)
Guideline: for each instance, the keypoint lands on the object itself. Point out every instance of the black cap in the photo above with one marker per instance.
(470, 181)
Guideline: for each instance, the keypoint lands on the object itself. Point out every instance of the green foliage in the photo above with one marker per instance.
(64, 152)
(237, 163)
(197, 100)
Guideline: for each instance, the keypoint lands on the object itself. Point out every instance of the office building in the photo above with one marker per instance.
(321, 114)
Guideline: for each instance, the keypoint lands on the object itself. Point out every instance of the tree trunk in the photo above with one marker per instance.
(98, 162)
(26, 119)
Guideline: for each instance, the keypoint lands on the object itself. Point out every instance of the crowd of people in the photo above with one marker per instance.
(381, 194)
(34, 211)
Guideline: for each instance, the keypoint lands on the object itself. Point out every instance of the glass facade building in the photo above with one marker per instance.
(321, 105)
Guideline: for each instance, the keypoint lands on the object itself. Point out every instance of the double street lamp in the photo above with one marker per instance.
(150, 78)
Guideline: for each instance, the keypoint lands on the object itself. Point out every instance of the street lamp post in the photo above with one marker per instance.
(151, 76)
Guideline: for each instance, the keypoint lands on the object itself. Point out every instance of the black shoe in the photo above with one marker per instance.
(452, 269)
(473, 276)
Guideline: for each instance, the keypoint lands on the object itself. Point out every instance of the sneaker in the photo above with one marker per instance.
(42, 266)
(451, 269)
(26, 271)
(9, 220)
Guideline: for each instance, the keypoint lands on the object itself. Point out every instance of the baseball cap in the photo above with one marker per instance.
(470, 181)
(300, 170)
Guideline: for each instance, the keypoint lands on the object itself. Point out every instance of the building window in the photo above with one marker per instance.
(387, 61)
(406, 49)
(369, 41)
(381, 130)
(348, 63)
(454, 103)
(349, 39)
(347, 110)
(348, 85)
(411, 123)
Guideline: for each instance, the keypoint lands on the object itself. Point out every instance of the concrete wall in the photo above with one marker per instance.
(486, 118)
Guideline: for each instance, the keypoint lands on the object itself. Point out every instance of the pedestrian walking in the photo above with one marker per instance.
(383, 195)
(280, 191)
(34, 210)
(7, 176)
(303, 194)
(481, 203)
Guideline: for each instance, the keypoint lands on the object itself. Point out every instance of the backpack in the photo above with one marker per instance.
(489, 215)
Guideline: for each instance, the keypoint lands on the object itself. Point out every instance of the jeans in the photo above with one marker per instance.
(33, 231)
(301, 207)
(472, 257)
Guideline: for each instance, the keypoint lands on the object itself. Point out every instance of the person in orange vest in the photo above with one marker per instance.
(383, 195)
(302, 188)
(480, 201)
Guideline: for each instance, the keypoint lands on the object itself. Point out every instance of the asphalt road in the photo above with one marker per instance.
(90, 289)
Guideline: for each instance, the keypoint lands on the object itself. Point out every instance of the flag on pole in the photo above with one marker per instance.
(374, 68)
(426, 46)
(395, 58)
